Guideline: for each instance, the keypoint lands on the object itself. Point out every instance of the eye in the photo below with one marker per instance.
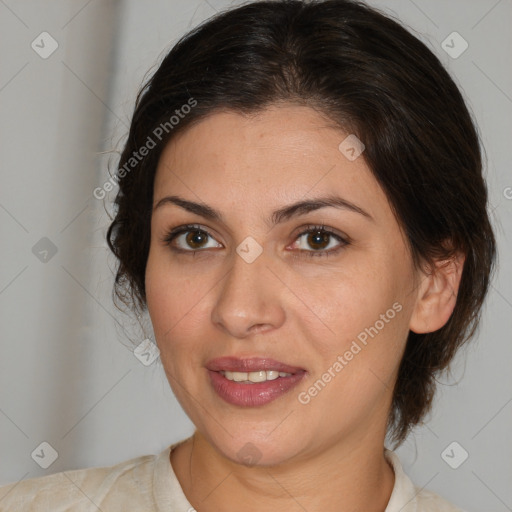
(195, 238)
(317, 237)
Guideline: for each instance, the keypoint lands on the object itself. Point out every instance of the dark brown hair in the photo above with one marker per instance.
(373, 78)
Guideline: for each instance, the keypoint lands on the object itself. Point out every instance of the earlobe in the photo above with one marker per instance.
(437, 295)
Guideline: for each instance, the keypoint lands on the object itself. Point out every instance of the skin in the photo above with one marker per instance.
(327, 454)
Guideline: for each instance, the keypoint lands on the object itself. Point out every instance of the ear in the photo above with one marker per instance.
(437, 295)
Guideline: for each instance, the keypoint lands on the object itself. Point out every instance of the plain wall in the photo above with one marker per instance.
(68, 375)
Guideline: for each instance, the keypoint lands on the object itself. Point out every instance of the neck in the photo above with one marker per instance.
(342, 478)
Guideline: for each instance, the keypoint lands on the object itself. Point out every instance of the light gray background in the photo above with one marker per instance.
(68, 375)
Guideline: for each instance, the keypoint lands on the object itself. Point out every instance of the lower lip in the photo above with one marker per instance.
(252, 395)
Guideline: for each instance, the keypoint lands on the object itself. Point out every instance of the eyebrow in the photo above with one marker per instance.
(278, 216)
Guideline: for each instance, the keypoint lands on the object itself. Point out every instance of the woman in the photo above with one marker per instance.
(302, 213)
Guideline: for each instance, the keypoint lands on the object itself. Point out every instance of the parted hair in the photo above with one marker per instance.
(372, 77)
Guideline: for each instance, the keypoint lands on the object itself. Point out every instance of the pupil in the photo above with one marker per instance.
(319, 238)
(193, 236)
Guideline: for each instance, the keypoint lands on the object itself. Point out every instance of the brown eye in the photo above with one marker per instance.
(196, 239)
(188, 238)
(316, 241)
(318, 238)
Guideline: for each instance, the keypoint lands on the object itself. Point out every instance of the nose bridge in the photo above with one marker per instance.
(246, 296)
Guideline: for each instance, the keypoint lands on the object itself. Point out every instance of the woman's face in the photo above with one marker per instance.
(338, 313)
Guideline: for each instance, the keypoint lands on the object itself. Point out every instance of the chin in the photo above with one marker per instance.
(256, 450)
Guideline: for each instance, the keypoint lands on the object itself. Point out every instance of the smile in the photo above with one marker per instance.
(252, 377)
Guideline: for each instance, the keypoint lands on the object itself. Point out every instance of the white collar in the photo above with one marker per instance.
(403, 496)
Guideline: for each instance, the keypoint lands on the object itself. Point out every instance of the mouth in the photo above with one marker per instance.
(253, 381)
(254, 377)
(250, 365)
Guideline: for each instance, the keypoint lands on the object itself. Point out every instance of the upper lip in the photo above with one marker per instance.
(251, 364)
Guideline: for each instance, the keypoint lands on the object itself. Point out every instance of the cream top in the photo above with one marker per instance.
(149, 484)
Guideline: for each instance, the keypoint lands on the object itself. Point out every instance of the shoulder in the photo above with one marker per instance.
(407, 497)
(429, 501)
(82, 488)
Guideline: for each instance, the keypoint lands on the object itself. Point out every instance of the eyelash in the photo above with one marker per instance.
(173, 233)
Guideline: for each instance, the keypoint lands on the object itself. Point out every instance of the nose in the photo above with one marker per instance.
(248, 299)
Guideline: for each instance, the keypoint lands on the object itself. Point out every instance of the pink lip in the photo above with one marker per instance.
(255, 394)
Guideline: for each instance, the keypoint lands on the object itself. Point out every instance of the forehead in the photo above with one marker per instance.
(283, 153)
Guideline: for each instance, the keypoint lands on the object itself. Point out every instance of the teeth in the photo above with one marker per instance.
(249, 377)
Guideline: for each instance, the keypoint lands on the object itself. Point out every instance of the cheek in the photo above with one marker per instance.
(175, 305)
(164, 292)
(367, 316)
(164, 308)
(355, 298)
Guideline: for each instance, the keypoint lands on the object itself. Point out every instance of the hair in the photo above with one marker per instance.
(371, 76)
